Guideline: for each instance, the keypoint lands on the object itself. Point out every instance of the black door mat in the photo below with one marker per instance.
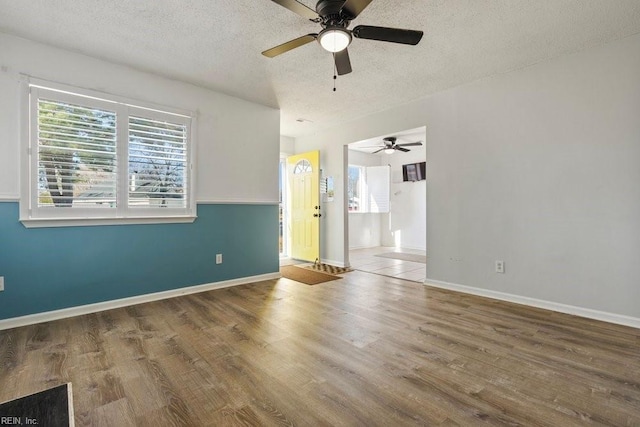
(52, 407)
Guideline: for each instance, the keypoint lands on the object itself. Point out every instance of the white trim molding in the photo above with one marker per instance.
(236, 202)
(64, 313)
(588, 313)
(9, 198)
(82, 222)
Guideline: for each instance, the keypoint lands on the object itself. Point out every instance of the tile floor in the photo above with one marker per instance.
(366, 260)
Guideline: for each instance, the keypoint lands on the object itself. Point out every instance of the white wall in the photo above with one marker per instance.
(538, 167)
(405, 226)
(287, 145)
(237, 141)
(364, 230)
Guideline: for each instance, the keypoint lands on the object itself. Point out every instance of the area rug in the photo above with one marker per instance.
(328, 268)
(404, 256)
(305, 275)
(52, 407)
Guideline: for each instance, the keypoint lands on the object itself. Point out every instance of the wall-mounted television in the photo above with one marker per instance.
(414, 171)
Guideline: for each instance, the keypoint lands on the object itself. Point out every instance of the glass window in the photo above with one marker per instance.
(99, 159)
(303, 166)
(76, 150)
(368, 189)
(354, 188)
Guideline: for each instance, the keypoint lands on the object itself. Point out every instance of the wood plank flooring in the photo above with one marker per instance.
(363, 350)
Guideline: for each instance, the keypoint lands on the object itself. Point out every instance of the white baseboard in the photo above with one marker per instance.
(604, 316)
(125, 302)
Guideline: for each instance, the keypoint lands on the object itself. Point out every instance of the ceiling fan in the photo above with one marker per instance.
(390, 146)
(335, 16)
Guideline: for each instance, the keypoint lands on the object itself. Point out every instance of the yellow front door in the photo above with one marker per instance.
(304, 184)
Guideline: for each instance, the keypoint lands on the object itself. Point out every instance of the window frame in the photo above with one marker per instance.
(31, 215)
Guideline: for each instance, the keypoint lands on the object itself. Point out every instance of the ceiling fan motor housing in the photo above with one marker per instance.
(329, 11)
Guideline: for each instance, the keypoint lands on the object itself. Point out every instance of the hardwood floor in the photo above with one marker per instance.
(363, 350)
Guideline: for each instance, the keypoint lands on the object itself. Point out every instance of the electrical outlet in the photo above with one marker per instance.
(1, 283)
(499, 266)
(218, 258)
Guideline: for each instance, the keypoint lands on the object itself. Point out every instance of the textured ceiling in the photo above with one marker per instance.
(217, 44)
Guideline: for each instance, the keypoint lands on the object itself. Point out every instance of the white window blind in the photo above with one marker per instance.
(76, 156)
(102, 159)
(378, 188)
(157, 163)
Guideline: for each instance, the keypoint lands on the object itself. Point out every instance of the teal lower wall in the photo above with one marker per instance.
(48, 269)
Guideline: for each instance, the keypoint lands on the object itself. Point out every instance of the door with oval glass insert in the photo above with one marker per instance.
(303, 174)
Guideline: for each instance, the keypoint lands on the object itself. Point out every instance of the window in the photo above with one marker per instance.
(378, 188)
(368, 189)
(355, 188)
(93, 160)
(303, 166)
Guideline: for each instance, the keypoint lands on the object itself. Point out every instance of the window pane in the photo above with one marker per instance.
(76, 156)
(303, 166)
(353, 188)
(157, 163)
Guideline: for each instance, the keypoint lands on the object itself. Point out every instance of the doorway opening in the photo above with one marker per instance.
(391, 241)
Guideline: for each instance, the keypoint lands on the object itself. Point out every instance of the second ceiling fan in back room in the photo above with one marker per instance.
(335, 16)
(390, 146)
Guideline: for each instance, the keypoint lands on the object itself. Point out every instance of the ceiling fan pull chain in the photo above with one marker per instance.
(335, 71)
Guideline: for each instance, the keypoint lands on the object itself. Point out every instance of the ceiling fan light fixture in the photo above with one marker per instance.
(389, 150)
(334, 39)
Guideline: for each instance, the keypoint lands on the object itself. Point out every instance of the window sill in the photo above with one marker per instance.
(85, 222)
